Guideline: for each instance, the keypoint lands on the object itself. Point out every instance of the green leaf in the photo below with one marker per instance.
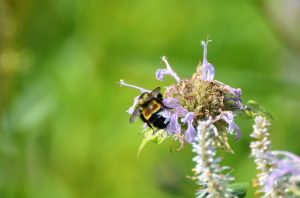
(253, 109)
(257, 109)
(238, 189)
(158, 137)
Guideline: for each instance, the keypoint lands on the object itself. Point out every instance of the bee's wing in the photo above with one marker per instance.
(155, 91)
(135, 114)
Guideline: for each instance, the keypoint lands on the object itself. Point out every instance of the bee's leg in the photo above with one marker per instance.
(154, 131)
(146, 121)
(149, 125)
(166, 107)
(160, 101)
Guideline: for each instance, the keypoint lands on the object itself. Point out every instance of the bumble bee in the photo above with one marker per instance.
(148, 108)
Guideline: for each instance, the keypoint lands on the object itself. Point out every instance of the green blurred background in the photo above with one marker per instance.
(64, 131)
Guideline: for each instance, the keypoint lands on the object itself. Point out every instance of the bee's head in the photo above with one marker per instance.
(144, 97)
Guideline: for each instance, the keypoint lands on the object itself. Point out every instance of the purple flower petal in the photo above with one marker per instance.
(228, 117)
(168, 71)
(207, 70)
(273, 177)
(173, 127)
(160, 74)
(234, 96)
(287, 155)
(190, 133)
(285, 163)
(131, 109)
(180, 111)
(283, 167)
(235, 91)
(170, 102)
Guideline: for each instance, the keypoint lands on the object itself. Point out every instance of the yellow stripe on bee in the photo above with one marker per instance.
(152, 108)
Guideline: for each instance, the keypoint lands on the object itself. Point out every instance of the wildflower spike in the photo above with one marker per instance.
(209, 174)
(277, 170)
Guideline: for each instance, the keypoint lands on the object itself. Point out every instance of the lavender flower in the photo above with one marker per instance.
(202, 111)
(205, 97)
(205, 104)
(197, 98)
(207, 69)
(278, 171)
(168, 71)
(190, 132)
(259, 150)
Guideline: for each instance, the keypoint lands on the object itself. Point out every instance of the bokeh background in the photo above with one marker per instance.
(64, 131)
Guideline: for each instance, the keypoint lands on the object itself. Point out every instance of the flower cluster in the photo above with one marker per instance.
(278, 171)
(201, 111)
(197, 98)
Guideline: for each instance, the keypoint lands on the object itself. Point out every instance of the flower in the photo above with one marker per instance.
(285, 164)
(190, 132)
(233, 128)
(168, 71)
(201, 111)
(260, 151)
(277, 170)
(197, 98)
(207, 69)
(204, 97)
(210, 175)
